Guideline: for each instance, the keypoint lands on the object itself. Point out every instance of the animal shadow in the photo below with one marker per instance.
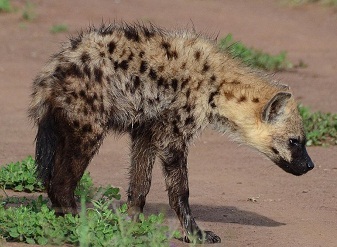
(223, 214)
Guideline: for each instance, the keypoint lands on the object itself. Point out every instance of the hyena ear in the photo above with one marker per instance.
(274, 108)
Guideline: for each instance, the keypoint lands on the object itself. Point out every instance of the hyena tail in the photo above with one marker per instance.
(40, 111)
(46, 143)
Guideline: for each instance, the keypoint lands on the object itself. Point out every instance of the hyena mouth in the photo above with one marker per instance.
(296, 168)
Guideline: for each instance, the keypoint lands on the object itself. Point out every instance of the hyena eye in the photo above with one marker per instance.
(294, 141)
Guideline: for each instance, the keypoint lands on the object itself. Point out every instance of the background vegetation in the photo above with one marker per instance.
(253, 57)
(5, 6)
(323, 2)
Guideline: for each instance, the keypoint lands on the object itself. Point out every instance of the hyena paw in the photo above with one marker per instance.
(203, 237)
(134, 212)
(211, 237)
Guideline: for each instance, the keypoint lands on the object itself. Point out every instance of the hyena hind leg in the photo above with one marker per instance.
(143, 154)
(174, 162)
(74, 151)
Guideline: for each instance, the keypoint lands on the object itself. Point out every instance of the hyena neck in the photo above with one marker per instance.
(237, 99)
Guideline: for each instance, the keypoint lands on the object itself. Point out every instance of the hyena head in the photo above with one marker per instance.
(285, 138)
(273, 127)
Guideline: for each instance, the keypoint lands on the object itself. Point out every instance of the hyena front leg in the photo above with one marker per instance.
(73, 153)
(174, 161)
(143, 154)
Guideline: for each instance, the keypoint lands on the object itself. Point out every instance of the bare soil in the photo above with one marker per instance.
(234, 191)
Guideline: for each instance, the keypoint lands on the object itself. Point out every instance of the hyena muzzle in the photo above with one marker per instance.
(163, 88)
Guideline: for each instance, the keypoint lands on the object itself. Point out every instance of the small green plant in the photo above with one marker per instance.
(5, 6)
(330, 2)
(97, 226)
(321, 128)
(59, 28)
(13, 200)
(253, 57)
(323, 2)
(103, 224)
(28, 12)
(20, 176)
(22, 25)
(35, 223)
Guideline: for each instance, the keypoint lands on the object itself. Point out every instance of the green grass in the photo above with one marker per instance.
(321, 128)
(20, 177)
(103, 224)
(5, 6)
(323, 2)
(59, 28)
(253, 57)
(28, 12)
(35, 223)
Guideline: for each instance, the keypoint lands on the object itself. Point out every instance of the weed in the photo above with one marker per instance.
(253, 57)
(14, 200)
(5, 6)
(23, 25)
(329, 2)
(20, 176)
(98, 226)
(321, 128)
(28, 12)
(323, 2)
(59, 28)
(35, 223)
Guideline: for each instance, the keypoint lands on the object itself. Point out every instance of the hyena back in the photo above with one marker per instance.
(163, 88)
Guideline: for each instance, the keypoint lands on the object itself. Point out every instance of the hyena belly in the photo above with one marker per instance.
(162, 88)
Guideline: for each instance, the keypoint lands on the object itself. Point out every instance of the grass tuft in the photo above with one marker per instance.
(323, 2)
(20, 176)
(28, 12)
(320, 128)
(5, 6)
(253, 57)
(59, 28)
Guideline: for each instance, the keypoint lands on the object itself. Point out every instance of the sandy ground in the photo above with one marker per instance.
(289, 211)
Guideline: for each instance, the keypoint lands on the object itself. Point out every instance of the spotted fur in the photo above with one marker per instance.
(163, 88)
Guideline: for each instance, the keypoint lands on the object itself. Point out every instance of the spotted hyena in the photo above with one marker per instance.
(163, 88)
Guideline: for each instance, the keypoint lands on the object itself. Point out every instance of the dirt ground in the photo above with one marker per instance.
(288, 210)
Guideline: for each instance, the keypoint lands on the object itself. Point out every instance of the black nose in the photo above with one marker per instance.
(310, 165)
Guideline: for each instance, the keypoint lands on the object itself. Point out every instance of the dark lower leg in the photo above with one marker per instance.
(62, 186)
(175, 170)
(142, 159)
(71, 159)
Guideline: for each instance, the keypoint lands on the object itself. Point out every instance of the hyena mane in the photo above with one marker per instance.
(163, 88)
